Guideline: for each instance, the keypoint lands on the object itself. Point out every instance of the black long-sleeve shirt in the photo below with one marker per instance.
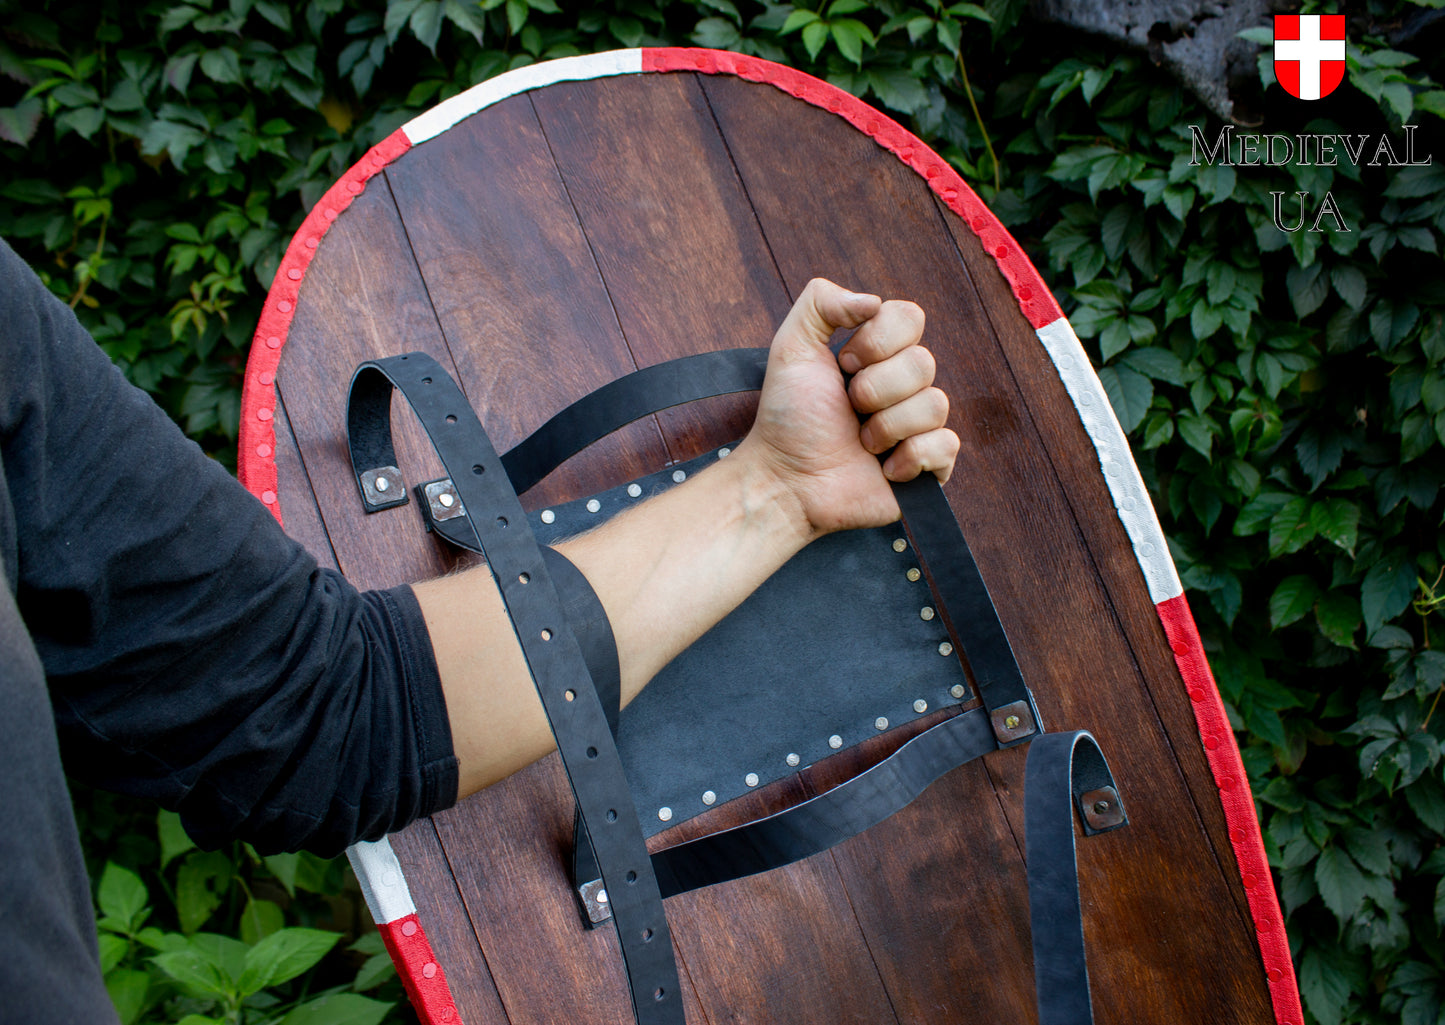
(160, 632)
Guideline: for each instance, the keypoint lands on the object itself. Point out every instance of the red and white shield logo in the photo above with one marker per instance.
(1309, 53)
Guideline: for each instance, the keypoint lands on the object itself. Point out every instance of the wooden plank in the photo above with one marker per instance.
(687, 271)
(1009, 500)
(1076, 464)
(516, 290)
(302, 519)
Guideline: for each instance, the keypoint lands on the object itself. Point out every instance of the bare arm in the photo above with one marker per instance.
(667, 570)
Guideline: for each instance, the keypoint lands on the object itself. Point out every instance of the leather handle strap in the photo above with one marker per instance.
(576, 715)
(1064, 771)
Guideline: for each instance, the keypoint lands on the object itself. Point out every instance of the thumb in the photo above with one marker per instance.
(821, 309)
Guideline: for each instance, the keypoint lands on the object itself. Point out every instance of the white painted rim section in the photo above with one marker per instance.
(382, 882)
(1131, 500)
(534, 76)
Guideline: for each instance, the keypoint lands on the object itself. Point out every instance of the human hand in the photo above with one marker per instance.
(807, 433)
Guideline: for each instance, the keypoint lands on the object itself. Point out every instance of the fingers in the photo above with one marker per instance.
(933, 452)
(919, 413)
(897, 325)
(821, 309)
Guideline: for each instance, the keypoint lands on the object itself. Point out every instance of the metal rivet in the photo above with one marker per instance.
(634, 490)
(593, 505)
(880, 723)
(548, 516)
(678, 476)
(958, 690)
(925, 613)
(665, 814)
(708, 797)
(900, 545)
(945, 649)
(920, 706)
(914, 574)
(793, 759)
(835, 742)
(723, 453)
(546, 635)
(601, 897)
(382, 484)
(446, 500)
(1012, 722)
(1100, 807)
(751, 779)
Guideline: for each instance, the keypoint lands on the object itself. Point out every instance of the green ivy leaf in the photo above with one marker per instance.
(1290, 529)
(1129, 393)
(1387, 590)
(1342, 884)
(815, 35)
(1338, 616)
(127, 988)
(1292, 599)
(260, 919)
(1337, 520)
(284, 955)
(172, 835)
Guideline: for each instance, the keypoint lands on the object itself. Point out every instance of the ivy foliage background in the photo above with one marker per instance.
(1284, 391)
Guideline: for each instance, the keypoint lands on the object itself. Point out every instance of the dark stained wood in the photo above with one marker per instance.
(516, 290)
(1071, 453)
(1009, 499)
(300, 517)
(562, 238)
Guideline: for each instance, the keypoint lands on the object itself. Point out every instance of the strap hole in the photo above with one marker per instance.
(646, 935)
(524, 578)
(570, 695)
(547, 636)
(591, 752)
(632, 877)
(502, 522)
(451, 419)
(426, 380)
(478, 469)
(659, 993)
(611, 814)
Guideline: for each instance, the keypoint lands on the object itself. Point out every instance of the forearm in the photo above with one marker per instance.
(665, 571)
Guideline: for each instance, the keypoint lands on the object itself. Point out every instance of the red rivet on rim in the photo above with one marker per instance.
(274, 341)
(269, 497)
(701, 60)
(1180, 647)
(263, 415)
(446, 1014)
(294, 273)
(313, 242)
(950, 194)
(264, 451)
(408, 928)
(1001, 252)
(1211, 743)
(329, 214)
(1195, 694)
(1236, 835)
(1250, 882)
(429, 969)
(1227, 783)
(354, 188)
(1275, 975)
(976, 225)
(1026, 294)
(284, 306)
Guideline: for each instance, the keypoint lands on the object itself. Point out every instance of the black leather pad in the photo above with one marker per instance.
(835, 641)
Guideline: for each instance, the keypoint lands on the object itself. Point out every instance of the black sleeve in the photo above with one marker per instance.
(196, 654)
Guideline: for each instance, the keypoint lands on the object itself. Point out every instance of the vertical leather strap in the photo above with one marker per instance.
(578, 720)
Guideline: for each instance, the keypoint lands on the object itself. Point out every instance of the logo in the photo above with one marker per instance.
(1309, 53)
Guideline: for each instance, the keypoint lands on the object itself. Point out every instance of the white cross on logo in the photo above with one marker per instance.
(1311, 51)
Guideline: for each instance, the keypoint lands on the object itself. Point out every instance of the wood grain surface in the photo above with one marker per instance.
(565, 237)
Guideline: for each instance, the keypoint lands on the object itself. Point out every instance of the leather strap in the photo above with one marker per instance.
(830, 818)
(1064, 771)
(553, 655)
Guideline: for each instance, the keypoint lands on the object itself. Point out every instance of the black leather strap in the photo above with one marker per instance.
(930, 522)
(1064, 770)
(553, 655)
(830, 818)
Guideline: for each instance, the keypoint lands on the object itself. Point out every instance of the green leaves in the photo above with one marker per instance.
(283, 955)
